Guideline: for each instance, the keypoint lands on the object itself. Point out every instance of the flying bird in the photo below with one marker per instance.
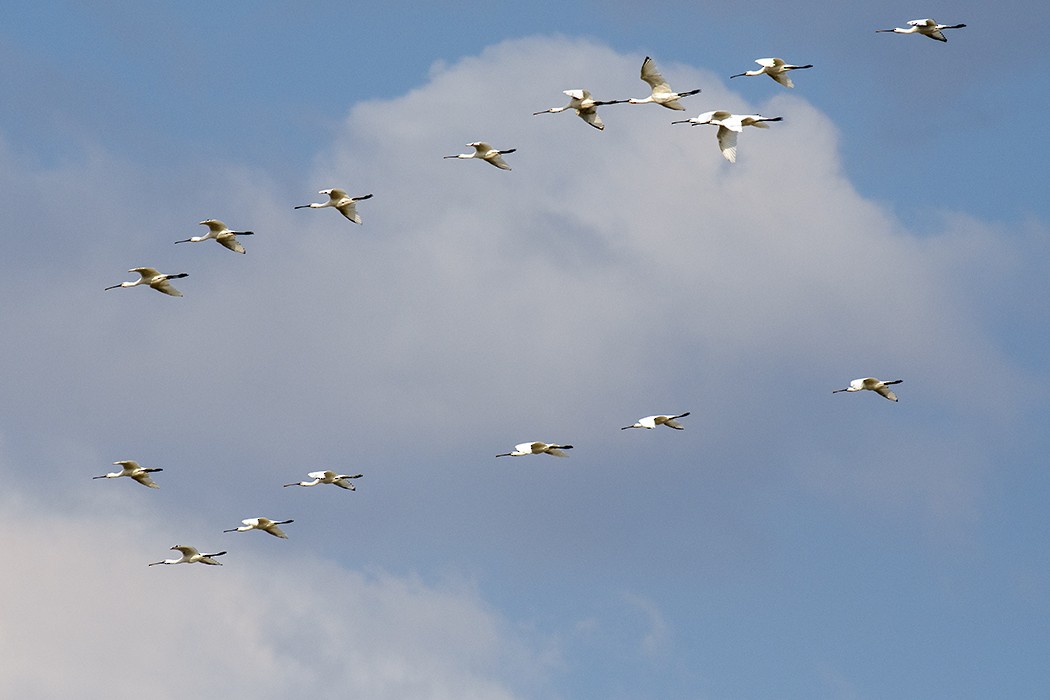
(535, 448)
(586, 107)
(264, 524)
(926, 27)
(872, 384)
(775, 68)
(488, 153)
(220, 233)
(729, 125)
(651, 422)
(190, 555)
(329, 477)
(137, 472)
(661, 91)
(340, 200)
(148, 275)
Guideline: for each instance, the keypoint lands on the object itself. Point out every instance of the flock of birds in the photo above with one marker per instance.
(585, 106)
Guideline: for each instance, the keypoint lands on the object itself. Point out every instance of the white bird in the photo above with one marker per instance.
(775, 68)
(222, 234)
(586, 107)
(729, 125)
(486, 152)
(535, 448)
(132, 468)
(329, 477)
(662, 93)
(150, 276)
(264, 524)
(190, 555)
(872, 384)
(340, 200)
(926, 27)
(651, 422)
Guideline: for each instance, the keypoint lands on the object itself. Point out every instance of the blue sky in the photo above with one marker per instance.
(788, 543)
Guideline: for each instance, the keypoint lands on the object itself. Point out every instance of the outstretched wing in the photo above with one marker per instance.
(727, 142)
(498, 161)
(163, 285)
(145, 272)
(230, 241)
(349, 210)
(591, 117)
(652, 76)
(144, 479)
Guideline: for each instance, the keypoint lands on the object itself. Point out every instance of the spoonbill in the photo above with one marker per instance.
(775, 68)
(662, 93)
(264, 524)
(586, 107)
(220, 233)
(150, 276)
(651, 422)
(340, 200)
(130, 467)
(926, 27)
(729, 125)
(872, 384)
(535, 448)
(488, 153)
(329, 477)
(190, 555)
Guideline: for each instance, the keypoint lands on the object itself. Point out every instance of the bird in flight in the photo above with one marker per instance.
(536, 448)
(150, 276)
(190, 555)
(339, 199)
(651, 422)
(487, 153)
(872, 384)
(661, 91)
(775, 68)
(586, 107)
(133, 469)
(221, 234)
(926, 27)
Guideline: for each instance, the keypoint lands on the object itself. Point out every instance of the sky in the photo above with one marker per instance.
(789, 542)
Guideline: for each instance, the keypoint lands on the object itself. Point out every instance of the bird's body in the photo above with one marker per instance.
(132, 469)
(190, 555)
(661, 91)
(872, 384)
(329, 477)
(651, 422)
(340, 200)
(926, 27)
(536, 448)
(487, 153)
(586, 107)
(775, 68)
(149, 276)
(220, 233)
(264, 524)
(729, 125)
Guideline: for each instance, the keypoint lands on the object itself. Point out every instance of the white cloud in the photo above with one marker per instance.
(86, 617)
